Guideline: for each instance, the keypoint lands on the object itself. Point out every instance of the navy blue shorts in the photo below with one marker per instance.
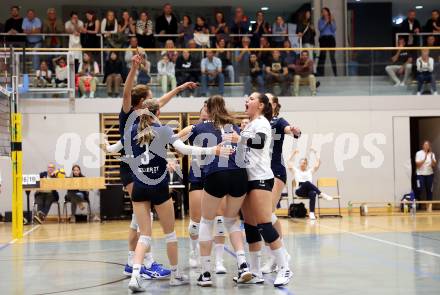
(125, 174)
(265, 185)
(154, 195)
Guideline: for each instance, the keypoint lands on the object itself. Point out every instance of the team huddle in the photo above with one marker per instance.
(235, 174)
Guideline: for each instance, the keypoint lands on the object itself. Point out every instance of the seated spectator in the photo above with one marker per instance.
(211, 68)
(166, 24)
(435, 54)
(143, 76)
(264, 56)
(303, 69)
(279, 28)
(112, 74)
(87, 71)
(225, 57)
(289, 57)
(43, 75)
(14, 25)
(201, 32)
(244, 122)
(412, 26)
(53, 25)
(242, 64)
(61, 71)
(425, 67)
(260, 27)
(187, 71)
(195, 55)
(74, 27)
(402, 65)
(167, 75)
(144, 30)
(186, 30)
(44, 199)
(32, 25)
(126, 27)
(433, 24)
(277, 72)
(256, 69)
(89, 37)
(240, 25)
(76, 198)
(220, 28)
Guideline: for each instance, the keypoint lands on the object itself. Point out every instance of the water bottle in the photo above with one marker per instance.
(413, 207)
(405, 208)
(390, 208)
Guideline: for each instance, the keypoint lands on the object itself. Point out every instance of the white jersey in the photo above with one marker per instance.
(258, 160)
(303, 176)
(426, 168)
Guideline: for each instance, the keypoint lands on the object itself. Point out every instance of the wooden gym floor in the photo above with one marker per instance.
(352, 255)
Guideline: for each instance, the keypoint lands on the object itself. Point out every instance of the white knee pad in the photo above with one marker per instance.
(219, 226)
(144, 240)
(193, 228)
(206, 229)
(232, 225)
(274, 218)
(133, 223)
(171, 237)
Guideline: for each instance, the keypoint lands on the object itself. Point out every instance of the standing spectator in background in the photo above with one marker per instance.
(306, 31)
(43, 75)
(112, 74)
(433, 24)
(264, 56)
(89, 37)
(144, 30)
(87, 71)
(256, 69)
(74, 27)
(220, 28)
(53, 25)
(425, 68)
(211, 68)
(109, 29)
(167, 74)
(327, 39)
(61, 71)
(76, 198)
(242, 64)
(240, 25)
(303, 69)
(14, 25)
(260, 27)
(127, 26)
(166, 24)
(279, 27)
(32, 25)
(187, 71)
(201, 32)
(225, 57)
(44, 199)
(425, 165)
(276, 72)
(402, 64)
(412, 26)
(186, 30)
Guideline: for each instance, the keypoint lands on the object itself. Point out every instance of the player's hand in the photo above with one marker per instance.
(231, 137)
(223, 151)
(295, 131)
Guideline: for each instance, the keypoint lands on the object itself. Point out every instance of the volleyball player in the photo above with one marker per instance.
(223, 179)
(257, 207)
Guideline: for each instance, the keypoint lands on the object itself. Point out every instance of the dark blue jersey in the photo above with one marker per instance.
(195, 171)
(277, 163)
(205, 134)
(123, 118)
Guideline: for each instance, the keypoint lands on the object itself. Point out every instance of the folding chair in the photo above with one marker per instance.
(328, 183)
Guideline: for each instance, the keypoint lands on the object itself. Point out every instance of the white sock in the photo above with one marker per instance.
(194, 244)
(130, 258)
(280, 257)
(255, 261)
(241, 257)
(136, 270)
(148, 259)
(218, 250)
(206, 263)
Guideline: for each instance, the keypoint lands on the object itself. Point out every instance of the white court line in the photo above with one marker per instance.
(383, 241)
(25, 234)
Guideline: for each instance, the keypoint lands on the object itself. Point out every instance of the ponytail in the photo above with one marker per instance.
(145, 133)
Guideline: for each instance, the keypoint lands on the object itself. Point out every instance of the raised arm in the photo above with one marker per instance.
(185, 149)
(168, 96)
(291, 161)
(126, 97)
(317, 160)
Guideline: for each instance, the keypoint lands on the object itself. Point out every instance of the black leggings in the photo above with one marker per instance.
(308, 190)
(326, 42)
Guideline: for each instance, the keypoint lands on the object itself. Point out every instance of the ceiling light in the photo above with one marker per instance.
(253, 22)
(264, 8)
(419, 7)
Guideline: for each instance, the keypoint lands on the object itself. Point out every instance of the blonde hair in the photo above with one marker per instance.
(145, 134)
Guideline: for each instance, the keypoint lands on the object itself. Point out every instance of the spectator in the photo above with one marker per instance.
(44, 199)
(43, 75)
(242, 64)
(260, 27)
(166, 24)
(433, 24)
(74, 27)
(402, 65)
(32, 25)
(61, 71)
(304, 71)
(175, 178)
(89, 38)
(186, 30)
(196, 56)
(425, 68)
(288, 56)
(14, 25)
(167, 74)
(256, 69)
(212, 72)
(76, 198)
(144, 30)
(435, 54)
(225, 57)
(170, 50)
(412, 26)
(87, 71)
(143, 74)
(425, 165)
(244, 121)
(220, 29)
(306, 31)
(127, 26)
(201, 32)
(112, 74)
(109, 30)
(279, 28)
(264, 56)
(276, 72)
(187, 71)
(52, 25)
(327, 39)
(239, 25)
